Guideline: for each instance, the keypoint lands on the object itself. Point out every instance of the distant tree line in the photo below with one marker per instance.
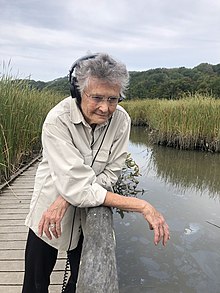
(172, 83)
(60, 85)
(159, 83)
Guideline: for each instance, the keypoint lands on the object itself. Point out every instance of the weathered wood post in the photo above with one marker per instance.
(98, 272)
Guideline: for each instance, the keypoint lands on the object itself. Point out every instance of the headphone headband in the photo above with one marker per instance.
(90, 56)
(72, 79)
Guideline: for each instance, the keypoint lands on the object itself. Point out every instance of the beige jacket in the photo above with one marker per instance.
(69, 146)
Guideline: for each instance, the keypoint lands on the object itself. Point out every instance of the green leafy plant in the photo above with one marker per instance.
(127, 184)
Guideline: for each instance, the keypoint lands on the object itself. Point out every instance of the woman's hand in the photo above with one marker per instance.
(52, 217)
(152, 216)
(157, 223)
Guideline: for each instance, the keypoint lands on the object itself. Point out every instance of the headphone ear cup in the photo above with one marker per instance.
(75, 93)
(74, 90)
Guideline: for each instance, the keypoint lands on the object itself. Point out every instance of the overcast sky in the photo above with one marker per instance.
(43, 38)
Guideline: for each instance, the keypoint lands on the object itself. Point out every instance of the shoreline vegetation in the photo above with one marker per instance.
(22, 113)
(190, 123)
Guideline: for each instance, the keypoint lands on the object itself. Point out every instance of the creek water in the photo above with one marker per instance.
(185, 187)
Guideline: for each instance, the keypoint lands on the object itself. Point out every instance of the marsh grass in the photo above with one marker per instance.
(189, 123)
(192, 122)
(22, 112)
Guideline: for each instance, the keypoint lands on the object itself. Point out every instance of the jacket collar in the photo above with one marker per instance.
(76, 115)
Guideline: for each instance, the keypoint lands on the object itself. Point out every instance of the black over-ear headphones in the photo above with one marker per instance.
(75, 93)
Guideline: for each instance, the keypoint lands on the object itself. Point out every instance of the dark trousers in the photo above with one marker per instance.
(40, 259)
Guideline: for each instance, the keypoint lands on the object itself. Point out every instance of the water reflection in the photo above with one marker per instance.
(174, 181)
(199, 171)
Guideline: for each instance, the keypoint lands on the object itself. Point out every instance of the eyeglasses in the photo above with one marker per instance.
(112, 101)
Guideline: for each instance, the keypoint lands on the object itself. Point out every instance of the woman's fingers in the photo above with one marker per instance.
(50, 222)
(157, 223)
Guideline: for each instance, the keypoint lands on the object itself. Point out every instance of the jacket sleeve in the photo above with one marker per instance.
(74, 180)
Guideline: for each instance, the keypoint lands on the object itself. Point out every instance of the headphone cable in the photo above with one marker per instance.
(67, 265)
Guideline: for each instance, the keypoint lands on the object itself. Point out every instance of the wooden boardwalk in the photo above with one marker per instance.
(14, 206)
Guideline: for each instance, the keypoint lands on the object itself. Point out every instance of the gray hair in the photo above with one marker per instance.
(102, 67)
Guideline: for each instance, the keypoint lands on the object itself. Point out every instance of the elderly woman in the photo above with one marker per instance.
(84, 140)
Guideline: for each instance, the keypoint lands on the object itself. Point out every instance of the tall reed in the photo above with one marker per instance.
(189, 123)
(22, 112)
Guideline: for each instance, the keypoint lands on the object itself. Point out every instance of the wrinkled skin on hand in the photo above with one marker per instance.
(157, 223)
(53, 215)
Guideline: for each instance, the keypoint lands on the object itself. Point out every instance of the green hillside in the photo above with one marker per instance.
(159, 83)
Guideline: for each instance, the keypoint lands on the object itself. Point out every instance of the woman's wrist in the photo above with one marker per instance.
(147, 208)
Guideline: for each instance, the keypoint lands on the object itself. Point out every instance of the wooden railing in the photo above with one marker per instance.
(98, 271)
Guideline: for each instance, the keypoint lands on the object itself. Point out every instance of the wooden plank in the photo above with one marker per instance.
(16, 278)
(21, 196)
(10, 289)
(11, 265)
(18, 265)
(14, 216)
(16, 211)
(20, 188)
(19, 182)
(12, 192)
(11, 236)
(11, 222)
(19, 255)
(31, 166)
(9, 245)
(16, 199)
(17, 289)
(15, 206)
(12, 255)
(14, 229)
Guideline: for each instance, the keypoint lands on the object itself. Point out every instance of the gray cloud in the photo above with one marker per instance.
(43, 38)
